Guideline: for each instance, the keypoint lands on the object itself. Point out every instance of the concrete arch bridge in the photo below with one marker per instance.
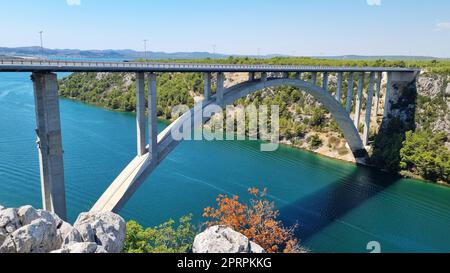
(153, 150)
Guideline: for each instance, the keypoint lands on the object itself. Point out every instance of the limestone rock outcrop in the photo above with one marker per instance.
(430, 86)
(436, 91)
(84, 247)
(105, 229)
(28, 230)
(221, 239)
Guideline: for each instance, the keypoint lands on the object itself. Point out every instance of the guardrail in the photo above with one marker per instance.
(186, 66)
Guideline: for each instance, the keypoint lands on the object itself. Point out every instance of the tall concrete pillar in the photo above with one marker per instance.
(378, 92)
(251, 76)
(140, 114)
(325, 81)
(286, 75)
(264, 76)
(314, 78)
(359, 98)
(368, 109)
(207, 81)
(387, 97)
(220, 88)
(348, 104)
(339, 87)
(298, 75)
(401, 101)
(50, 143)
(401, 94)
(152, 119)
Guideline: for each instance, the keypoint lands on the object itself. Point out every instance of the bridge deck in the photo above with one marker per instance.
(99, 66)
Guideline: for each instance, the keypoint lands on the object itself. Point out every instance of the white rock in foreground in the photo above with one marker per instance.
(104, 228)
(28, 230)
(81, 248)
(221, 239)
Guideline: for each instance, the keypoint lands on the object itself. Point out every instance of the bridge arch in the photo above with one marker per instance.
(142, 166)
(233, 93)
(45, 88)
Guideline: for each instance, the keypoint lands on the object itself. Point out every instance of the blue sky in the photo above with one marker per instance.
(296, 27)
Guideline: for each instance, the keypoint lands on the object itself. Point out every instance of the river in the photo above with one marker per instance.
(339, 207)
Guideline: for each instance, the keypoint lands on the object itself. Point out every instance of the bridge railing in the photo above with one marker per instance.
(193, 66)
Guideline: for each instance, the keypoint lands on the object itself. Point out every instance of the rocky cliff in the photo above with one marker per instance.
(433, 108)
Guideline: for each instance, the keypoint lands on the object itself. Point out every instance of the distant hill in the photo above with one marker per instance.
(125, 54)
(6, 57)
(128, 54)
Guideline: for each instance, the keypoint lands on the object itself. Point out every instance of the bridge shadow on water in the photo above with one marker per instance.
(320, 209)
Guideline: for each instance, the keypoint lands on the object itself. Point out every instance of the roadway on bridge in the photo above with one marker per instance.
(99, 66)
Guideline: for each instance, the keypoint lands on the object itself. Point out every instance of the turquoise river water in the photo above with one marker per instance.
(339, 207)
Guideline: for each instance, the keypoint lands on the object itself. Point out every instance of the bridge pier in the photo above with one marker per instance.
(378, 93)
(251, 76)
(314, 78)
(207, 81)
(368, 110)
(152, 120)
(49, 143)
(359, 97)
(339, 87)
(387, 96)
(220, 88)
(298, 75)
(263, 76)
(400, 101)
(140, 114)
(325, 81)
(348, 104)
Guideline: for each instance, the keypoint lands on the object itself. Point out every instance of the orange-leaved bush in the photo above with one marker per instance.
(257, 220)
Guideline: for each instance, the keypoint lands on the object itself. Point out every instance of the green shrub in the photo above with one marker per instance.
(424, 153)
(165, 238)
(342, 151)
(314, 142)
